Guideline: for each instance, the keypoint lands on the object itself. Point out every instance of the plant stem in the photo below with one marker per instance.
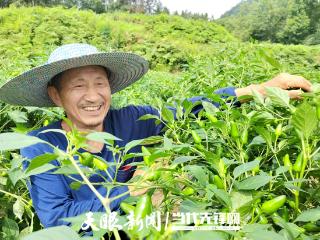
(105, 201)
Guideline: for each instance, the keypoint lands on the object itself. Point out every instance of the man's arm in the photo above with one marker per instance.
(293, 84)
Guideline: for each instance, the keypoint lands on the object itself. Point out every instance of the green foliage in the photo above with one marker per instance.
(187, 58)
(284, 21)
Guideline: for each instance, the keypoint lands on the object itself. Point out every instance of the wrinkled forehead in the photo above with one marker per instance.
(75, 73)
(91, 70)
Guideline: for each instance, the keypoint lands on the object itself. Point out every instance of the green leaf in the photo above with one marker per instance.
(44, 168)
(221, 195)
(264, 235)
(54, 233)
(15, 175)
(254, 182)
(132, 144)
(183, 159)
(18, 116)
(278, 96)
(204, 235)
(265, 134)
(167, 115)
(152, 140)
(239, 199)
(281, 170)
(291, 230)
(40, 160)
(245, 167)
(270, 59)
(103, 137)
(10, 228)
(305, 120)
(310, 215)
(148, 116)
(18, 208)
(12, 141)
(3, 180)
(75, 185)
(209, 107)
(189, 205)
(199, 173)
(257, 97)
(248, 228)
(25, 232)
(70, 169)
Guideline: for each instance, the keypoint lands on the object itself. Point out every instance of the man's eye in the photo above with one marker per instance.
(78, 86)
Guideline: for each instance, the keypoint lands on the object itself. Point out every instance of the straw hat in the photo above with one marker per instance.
(30, 88)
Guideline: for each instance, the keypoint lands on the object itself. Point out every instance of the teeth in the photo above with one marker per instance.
(92, 108)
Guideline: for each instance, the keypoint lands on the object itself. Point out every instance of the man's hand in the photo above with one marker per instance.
(293, 84)
(157, 196)
(137, 192)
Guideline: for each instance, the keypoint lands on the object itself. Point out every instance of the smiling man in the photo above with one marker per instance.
(81, 80)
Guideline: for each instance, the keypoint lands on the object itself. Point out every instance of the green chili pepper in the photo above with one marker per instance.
(153, 175)
(86, 159)
(146, 157)
(318, 111)
(218, 182)
(287, 162)
(211, 117)
(274, 204)
(292, 204)
(257, 168)
(127, 208)
(234, 130)
(278, 130)
(195, 136)
(285, 214)
(311, 227)
(298, 163)
(99, 164)
(46, 122)
(187, 191)
(219, 150)
(144, 207)
(262, 218)
(200, 147)
(244, 137)
(201, 123)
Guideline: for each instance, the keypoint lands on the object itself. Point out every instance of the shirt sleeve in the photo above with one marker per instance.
(52, 197)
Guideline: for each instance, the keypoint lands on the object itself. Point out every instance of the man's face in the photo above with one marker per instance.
(85, 95)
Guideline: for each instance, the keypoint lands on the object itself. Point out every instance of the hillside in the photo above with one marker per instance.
(34, 32)
(284, 21)
(197, 49)
(220, 160)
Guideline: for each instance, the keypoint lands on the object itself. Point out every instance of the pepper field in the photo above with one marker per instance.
(260, 160)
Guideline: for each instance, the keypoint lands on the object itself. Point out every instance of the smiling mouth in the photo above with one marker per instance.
(92, 108)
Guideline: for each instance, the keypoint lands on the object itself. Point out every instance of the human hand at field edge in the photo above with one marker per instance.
(293, 84)
(132, 189)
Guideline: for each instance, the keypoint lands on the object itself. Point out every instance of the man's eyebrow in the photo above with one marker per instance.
(100, 78)
(76, 80)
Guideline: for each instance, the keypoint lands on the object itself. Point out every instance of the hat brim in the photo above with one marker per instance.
(30, 88)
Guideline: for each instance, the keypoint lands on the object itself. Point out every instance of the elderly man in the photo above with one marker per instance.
(81, 80)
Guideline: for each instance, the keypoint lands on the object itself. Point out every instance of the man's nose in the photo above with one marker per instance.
(92, 94)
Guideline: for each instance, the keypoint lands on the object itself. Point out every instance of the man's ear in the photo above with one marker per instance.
(54, 95)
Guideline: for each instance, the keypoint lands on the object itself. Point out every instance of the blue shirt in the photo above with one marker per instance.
(52, 195)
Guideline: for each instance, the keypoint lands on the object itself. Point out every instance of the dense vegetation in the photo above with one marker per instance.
(99, 6)
(187, 58)
(282, 21)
